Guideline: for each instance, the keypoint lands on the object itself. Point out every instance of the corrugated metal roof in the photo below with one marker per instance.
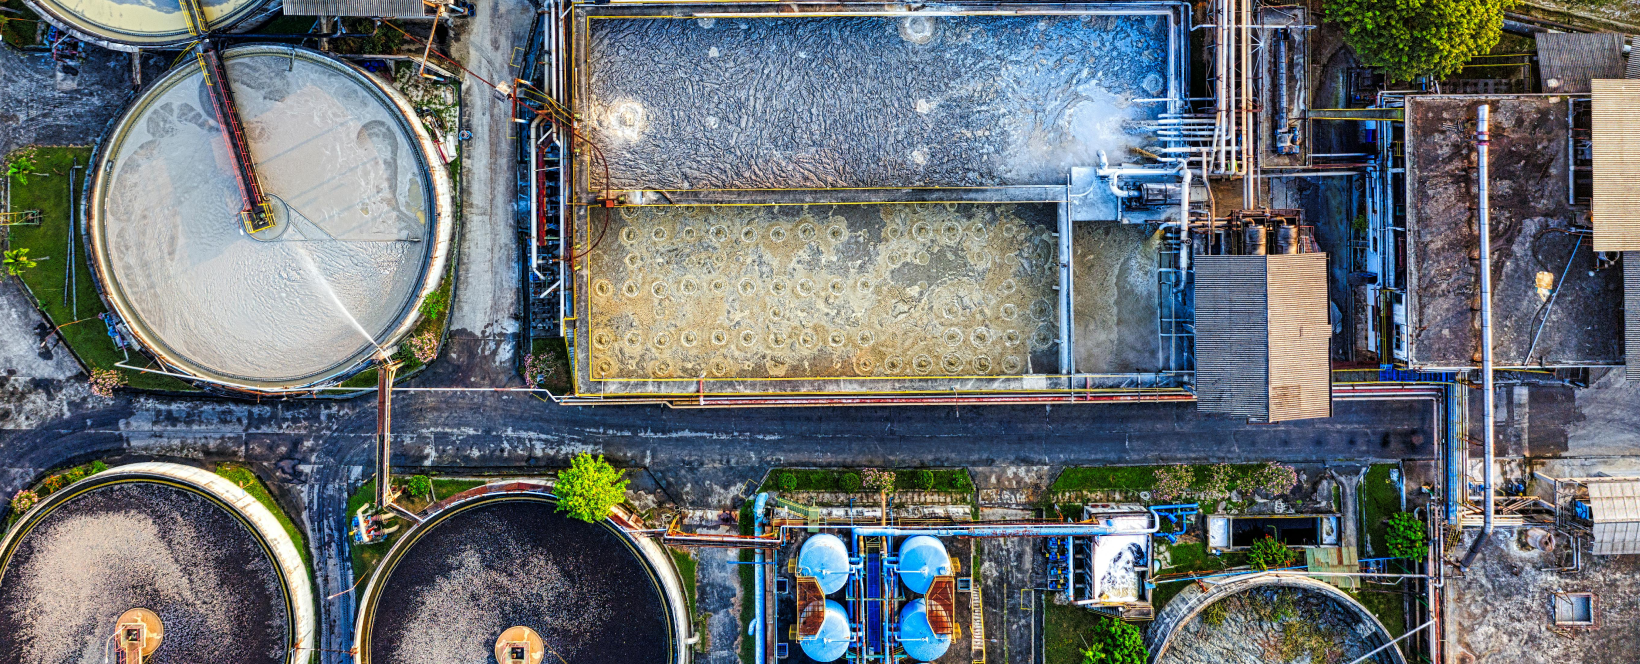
(1614, 506)
(811, 606)
(941, 605)
(367, 8)
(1263, 338)
(1615, 134)
(1232, 360)
(1631, 314)
(1300, 337)
(1632, 66)
(1575, 58)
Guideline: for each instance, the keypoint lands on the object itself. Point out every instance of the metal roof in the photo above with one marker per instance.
(367, 8)
(1615, 205)
(1575, 58)
(1263, 337)
(811, 607)
(1614, 507)
(942, 605)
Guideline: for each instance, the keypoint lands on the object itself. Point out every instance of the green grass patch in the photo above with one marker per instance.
(1065, 631)
(747, 580)
(809, 479)
(685, 562)
(365, 557)
(1379, 499)
(18, 27)
(253, 485)
(47, 191)
(552, 357)
(1387, 605)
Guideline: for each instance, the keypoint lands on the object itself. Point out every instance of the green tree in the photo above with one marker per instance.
(419, 485)
(1411, 37)
(1114, 642)
(786, 480)
(17, 260)
(1406, 537)
(922, 479)
(590, 488)
(849, 482)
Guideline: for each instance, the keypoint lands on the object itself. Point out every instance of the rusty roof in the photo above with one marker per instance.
(811, 606)
(941, 604)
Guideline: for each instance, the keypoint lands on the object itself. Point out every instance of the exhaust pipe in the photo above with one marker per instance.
(1483, 136)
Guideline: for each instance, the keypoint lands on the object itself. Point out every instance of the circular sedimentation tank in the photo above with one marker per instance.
(204, 558)
(1267, 619)
(451, 586)
(362, 234)
(154, 24)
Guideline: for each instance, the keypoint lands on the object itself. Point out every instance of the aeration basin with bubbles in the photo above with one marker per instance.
(128, 26)
(361, 235)
(450, 587)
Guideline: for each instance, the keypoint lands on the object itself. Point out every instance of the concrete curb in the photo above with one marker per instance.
(297, 581)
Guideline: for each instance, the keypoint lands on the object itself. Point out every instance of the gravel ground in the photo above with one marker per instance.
(518, 563)
(142, 545)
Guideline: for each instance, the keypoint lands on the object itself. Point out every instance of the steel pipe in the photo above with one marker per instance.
(1483, 137)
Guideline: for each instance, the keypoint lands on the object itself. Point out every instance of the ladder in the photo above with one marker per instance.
(20, 218)
(976, 624)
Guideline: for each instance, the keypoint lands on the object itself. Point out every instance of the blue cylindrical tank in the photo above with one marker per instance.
(825, 558)
(921, 559)
(917, 635)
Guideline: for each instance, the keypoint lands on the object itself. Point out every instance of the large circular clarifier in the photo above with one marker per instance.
(125, 540)
(456, 583)
(362, 233)
(128, 25)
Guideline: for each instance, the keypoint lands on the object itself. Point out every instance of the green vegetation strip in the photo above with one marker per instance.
(45, 188)
(31, 496)
(808, 479)
(247, 480)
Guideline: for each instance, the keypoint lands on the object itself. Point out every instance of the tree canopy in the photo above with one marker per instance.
(1114, 642)
(1407, 38)
(589, 488)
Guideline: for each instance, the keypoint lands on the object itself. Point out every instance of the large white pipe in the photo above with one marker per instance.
(1483, 137)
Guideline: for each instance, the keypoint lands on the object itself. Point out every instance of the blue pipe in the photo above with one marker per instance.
(1027, 530)
(758, 508)
(1454, 451)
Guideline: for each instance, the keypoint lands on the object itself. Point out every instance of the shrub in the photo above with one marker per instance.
(849, 482)
(436, 303)
(1406, 537)
(786, 480)
(19, 167)
(52, 483)
(922, 479)
(1215, 613)
(24, 500)
(17, 260)
(105, 381)
(1114, 642)
(1221, 479)
(425, 346)
(74, 474)
(97, 467)
(1274, 479)
(590, 488)
(1172, 482)
(1411, 37)
(419, 485)
(1269, 553)
(877, 481)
